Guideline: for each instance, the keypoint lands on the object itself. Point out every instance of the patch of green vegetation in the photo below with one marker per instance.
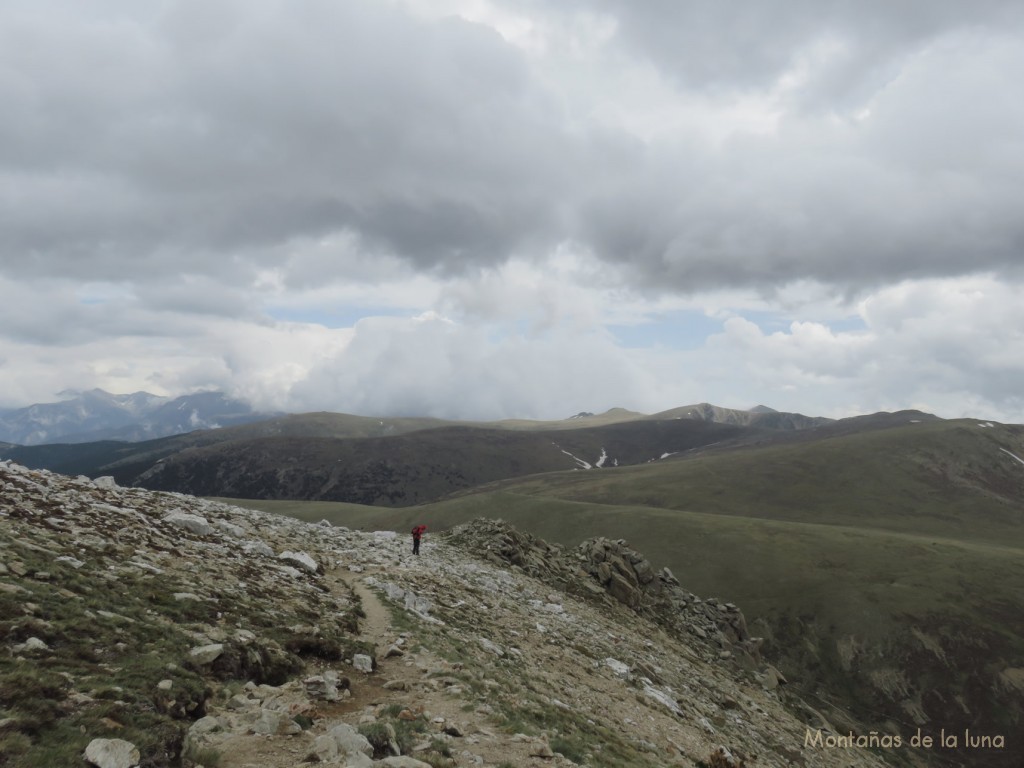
(441, 747)
(391, 728)
(14, 745)
(408, 731)
(208, 757)
(572, 735)
(571, 747)
(401, 621)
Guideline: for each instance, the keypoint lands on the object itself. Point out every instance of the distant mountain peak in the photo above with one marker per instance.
(762, 409)
(95, 414)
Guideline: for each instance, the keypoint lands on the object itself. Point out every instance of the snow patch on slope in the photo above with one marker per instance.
(1018, 458)
(583, 464)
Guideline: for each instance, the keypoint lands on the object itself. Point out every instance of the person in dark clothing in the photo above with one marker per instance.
(417, 534)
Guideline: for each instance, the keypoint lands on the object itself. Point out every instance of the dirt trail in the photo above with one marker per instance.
(375, 628)
(256, 751)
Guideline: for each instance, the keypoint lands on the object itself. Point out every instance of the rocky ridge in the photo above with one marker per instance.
(609, 572)
(160, 629)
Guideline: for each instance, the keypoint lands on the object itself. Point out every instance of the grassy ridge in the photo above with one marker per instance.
(946, 479)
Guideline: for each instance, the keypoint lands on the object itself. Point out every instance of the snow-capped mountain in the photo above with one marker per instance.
(100, 415)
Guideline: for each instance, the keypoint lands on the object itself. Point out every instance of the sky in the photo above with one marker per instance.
(484, 209)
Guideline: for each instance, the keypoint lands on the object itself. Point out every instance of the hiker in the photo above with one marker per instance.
(417, 534)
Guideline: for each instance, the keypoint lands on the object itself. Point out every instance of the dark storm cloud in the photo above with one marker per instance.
(706, 44)
(230, 125)
(911, 195)
(205, 137)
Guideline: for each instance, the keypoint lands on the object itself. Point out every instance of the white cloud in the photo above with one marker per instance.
(948, 346)
(261, 196)
(430, 365)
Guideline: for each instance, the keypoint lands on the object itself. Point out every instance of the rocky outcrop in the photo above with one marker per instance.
(610, 570)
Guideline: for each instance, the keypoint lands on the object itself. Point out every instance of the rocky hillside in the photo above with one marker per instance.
(156, 629)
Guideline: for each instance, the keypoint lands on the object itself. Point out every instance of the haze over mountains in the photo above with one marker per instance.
(96, 415)
(100, 415)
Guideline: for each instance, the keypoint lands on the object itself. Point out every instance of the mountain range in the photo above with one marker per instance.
(401, 461)
(98, 415)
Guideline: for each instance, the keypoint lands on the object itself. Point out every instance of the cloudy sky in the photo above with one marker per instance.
(493, 208)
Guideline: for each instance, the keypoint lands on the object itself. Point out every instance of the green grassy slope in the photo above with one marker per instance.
(127, 460)
(420, 466)
(943, 478)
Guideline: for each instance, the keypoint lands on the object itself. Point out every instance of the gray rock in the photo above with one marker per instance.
(195, 523)
(206, 654)
(240, 702)
(324, 687)
(349, 741)
(230, 529)
(32, 645)
(300, 560)
(394, 592)
(271, 723)
(616, 666)
(417, 604)
(107, 481)
(258, 548)
(644, 572)
(203, 726)
(491, 647)
(541, 748)
(362, 662)
(112, 753)
(325, 750)
(623, 591)
(359, 761)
